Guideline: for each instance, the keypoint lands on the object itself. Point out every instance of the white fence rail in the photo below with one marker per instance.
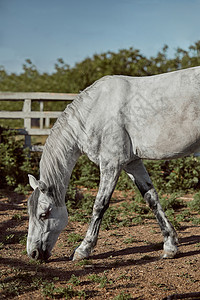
(27, 114)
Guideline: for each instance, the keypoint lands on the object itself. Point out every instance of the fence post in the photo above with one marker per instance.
(47, 122)
(41, 109)
(27, 122)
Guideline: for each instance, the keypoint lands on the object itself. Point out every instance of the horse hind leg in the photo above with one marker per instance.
(140, 177)
(108, 180)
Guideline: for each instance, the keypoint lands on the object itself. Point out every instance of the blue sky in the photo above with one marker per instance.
(45, 30)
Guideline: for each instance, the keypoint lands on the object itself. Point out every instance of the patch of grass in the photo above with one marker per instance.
(161, 286)
(9, 239)
(80, 209)
(133, 212)
(102, 280)
(184, 216)
(130, 240)
(135, 206)
(74, 280)
(170, 213)
(17, 217)
(74, 238)
(15, 238)
(111, 217)
(84, 262)
(21, 282)
(23, 239)
(122, 296)
(194, 205)
(171, 201)
(124, 276)
(49, 290)
(125, 222)
(174, 175)
(196, 221)
(188, 276)
(138, 220)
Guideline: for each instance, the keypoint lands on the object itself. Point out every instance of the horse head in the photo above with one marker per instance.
(46, 220)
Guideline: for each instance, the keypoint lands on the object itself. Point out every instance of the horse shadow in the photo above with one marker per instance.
(194, 239)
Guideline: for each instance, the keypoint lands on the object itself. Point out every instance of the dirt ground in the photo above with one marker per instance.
(126, 263)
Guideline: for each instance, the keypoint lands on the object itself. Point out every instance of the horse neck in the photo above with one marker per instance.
(58, 160)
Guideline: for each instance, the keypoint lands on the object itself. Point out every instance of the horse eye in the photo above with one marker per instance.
(43, 216)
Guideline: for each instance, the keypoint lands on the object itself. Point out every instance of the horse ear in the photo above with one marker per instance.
(33, 181)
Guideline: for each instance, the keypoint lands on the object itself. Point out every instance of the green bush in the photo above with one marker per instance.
(175, 175)
(15, 161)
(85, 173)
(167, 176)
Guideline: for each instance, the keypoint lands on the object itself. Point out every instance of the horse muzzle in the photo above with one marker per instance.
(39, 254)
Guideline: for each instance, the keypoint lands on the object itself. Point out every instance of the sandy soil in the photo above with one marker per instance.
(126, 263)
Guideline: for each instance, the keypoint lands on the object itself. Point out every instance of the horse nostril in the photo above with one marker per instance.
(35, 254)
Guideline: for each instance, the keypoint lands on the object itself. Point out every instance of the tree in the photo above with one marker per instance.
(124, 62)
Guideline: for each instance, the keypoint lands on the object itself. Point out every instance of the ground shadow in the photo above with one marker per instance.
(130, 250)
(45, 272)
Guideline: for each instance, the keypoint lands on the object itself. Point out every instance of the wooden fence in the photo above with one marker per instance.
(27, 114)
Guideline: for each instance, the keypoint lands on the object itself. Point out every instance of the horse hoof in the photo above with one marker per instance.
(76, 255)
(169, 254)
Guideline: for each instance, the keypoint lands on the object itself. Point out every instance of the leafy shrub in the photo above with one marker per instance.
(85, 173)
(80, 208)
(15, 161)
(124, 182)
(167, 176)
(175, 175)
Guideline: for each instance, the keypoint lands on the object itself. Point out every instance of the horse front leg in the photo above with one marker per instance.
(108, 181)
(139, 175)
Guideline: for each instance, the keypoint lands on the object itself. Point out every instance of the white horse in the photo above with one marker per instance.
(116, 122)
